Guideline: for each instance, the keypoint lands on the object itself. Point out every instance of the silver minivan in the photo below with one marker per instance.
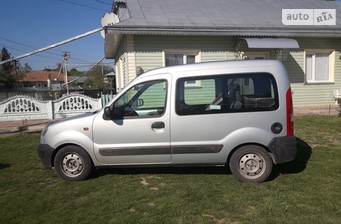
(234, 113)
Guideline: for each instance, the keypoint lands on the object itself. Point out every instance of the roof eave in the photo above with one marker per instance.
(112, 41)
(114, 34)
(205, 31)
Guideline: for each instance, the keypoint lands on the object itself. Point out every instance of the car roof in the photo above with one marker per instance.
(227, 66)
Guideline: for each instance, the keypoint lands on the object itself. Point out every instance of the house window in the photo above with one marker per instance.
(172, 58)
(255, 55)
(319, 67)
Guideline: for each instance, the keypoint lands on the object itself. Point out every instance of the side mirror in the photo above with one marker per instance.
(107, 113)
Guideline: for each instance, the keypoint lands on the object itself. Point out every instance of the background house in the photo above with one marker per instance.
(42, 81)
(148, 34)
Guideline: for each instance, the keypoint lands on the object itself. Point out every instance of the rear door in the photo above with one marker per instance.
(220, 105)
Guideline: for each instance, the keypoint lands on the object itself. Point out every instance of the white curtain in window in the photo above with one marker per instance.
(322, 67)
(174, 59)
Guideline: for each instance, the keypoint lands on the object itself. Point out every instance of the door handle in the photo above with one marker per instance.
(158, 125)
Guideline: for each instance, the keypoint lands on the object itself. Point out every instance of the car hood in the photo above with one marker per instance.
(73, 118)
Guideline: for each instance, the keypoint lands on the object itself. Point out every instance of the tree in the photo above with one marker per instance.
(75, 72)
(27, 68)
(96, 77)
(6, 78)
(48, 69)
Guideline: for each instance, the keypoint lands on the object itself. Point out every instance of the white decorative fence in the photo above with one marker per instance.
(24, 107)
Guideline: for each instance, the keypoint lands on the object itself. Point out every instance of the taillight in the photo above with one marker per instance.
(290, 113)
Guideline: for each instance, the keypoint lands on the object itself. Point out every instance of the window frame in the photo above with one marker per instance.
(248, 54)
(181, 101)
(185, 53)
(331, 66)
(115, 107)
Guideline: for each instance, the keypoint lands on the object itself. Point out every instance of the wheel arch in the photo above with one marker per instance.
(73, 163)
(251, 163)
(246, 144)
(65, 145)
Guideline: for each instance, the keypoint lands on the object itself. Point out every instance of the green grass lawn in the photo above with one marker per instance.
(304, 191)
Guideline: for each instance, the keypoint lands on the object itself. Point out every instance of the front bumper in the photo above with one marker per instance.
(46, 153)
(283, 149)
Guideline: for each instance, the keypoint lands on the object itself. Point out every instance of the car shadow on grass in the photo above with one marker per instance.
(4, 166)
(216, 170)
(296, 166)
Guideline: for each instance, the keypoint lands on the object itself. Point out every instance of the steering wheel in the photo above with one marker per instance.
(128, 111)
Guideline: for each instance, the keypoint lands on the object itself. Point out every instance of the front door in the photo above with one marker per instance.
(139, 132)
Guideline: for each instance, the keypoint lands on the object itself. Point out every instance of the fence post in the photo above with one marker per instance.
(102, 99)
(52, 109)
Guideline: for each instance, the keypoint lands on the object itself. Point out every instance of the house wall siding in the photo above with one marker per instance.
(149, 49)
(120, 66)
(131, 58)
(313, 94)
(147, 53)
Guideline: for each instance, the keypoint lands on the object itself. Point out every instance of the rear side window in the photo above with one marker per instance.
(227, 94)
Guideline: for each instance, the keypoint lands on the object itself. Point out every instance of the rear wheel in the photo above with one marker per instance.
(251, 163)
(73, 163)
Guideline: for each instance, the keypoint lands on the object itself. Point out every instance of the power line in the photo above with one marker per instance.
(104, 2)
(15, 42)
(43, 56)
(34, 48)
(53, 45)
(86, 6)
(85, 73)
(72, 65)
(25, 45)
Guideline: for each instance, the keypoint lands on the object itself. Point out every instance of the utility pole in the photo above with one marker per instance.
(66, 56)
(17, 75)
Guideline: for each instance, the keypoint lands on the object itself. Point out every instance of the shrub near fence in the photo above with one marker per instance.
(25, 107)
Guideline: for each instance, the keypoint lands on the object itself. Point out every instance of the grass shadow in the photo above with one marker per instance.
(299, 164)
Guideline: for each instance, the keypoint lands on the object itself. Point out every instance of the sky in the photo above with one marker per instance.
(26, 25)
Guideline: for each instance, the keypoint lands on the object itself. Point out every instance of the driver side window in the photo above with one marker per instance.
(142, 100)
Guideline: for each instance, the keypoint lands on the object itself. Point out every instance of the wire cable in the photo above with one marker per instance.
(85, 72)
(86, 6)
(106, 3)
(34, 48)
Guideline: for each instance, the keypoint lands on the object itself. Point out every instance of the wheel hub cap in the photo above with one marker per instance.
(72, 165)
(251, 165)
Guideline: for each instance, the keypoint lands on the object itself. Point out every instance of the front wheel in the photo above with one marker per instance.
(73, 163)
(251, 163)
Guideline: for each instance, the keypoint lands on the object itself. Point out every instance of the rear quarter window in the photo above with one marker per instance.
(250, 92)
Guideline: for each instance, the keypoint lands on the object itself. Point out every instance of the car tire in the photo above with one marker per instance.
(251, 163)
(73, 163)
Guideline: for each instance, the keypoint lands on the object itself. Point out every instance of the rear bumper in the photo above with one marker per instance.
(45, 153)
(283, 149)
